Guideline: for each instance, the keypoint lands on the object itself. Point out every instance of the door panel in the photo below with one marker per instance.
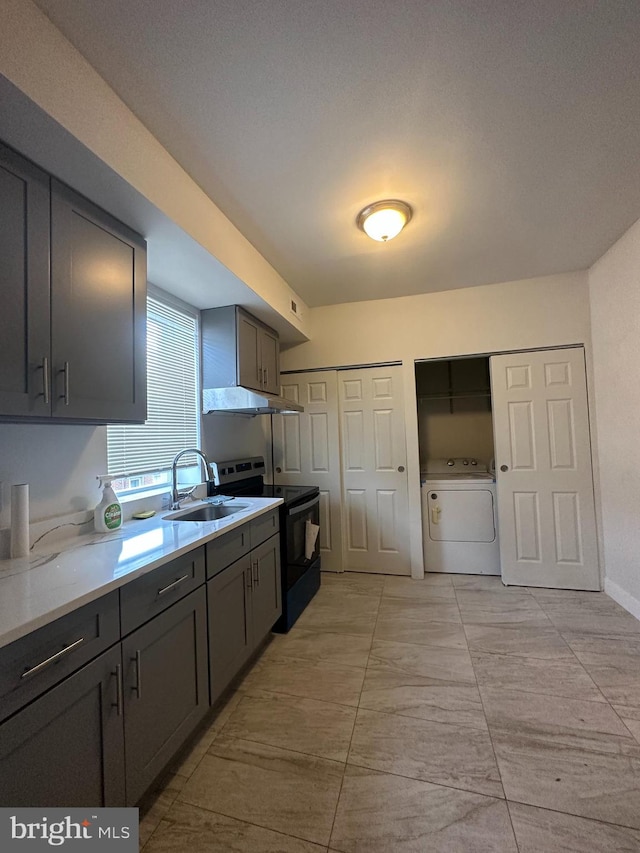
(230, 634)
(545, 497)
(374, 470)
(306, 452)
(98, 321)
(249, 369)
(24, 287)
(266, 592)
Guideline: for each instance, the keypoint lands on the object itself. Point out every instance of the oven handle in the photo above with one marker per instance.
(300, 509)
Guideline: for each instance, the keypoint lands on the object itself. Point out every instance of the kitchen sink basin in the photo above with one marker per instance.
(207, 512)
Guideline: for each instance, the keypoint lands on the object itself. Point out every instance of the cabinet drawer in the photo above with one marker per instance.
(34, 663)
(227, 549)
(149, 595)
(263, 527)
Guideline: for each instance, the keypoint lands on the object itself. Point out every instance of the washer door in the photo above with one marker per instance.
(460, 515)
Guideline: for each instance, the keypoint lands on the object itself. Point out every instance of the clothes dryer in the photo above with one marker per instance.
(459, 521)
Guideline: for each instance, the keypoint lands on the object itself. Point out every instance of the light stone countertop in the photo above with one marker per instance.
(38, 589)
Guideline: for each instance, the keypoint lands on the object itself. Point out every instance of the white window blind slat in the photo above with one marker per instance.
(172, 396)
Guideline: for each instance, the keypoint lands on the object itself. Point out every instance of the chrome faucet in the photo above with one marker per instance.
(177, 496)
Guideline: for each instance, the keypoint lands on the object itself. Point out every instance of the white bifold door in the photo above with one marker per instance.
(543, 467)
(350, 441)
(374, 476)
(307, 452)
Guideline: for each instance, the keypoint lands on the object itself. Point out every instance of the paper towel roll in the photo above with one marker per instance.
(20, 520)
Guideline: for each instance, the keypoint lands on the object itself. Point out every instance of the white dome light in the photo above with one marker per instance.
(384, 220)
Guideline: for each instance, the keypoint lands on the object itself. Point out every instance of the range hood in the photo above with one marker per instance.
(237, 400)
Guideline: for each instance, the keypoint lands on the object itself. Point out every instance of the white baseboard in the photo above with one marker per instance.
(624, 598)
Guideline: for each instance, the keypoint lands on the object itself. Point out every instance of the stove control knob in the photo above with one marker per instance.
(465, 461)
(450, 463)
(474, 461)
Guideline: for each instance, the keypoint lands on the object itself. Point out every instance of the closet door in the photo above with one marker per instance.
(543, 465)
(307, 452)
(374, 475)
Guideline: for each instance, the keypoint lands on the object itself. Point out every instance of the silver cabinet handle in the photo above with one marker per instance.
(44, 367)
(173, 585)
(249, 578)
(40, 666)
(266, 377)
(256, 576)
(119, 698)
(65, 394)
(138, 685)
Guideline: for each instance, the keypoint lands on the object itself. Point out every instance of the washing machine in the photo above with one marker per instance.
(459, 520)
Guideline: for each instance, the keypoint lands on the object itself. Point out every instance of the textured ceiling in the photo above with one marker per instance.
(511, 126)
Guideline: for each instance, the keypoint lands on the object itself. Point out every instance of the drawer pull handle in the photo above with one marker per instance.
(173, 585)
(137, 687)
(256, 573)
(40, 666)
(119, 698)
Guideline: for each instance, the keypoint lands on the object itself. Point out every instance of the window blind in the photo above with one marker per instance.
(172, 396)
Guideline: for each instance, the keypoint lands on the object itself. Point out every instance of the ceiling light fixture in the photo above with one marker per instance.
(384, 220)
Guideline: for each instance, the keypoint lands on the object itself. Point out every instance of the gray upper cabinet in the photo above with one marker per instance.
(24, 288)
(98, 313)
(237, 349)
(72, 304)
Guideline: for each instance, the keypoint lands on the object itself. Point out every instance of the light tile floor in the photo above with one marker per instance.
(450, 714)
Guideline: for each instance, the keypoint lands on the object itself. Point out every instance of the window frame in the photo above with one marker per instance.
(132, 492)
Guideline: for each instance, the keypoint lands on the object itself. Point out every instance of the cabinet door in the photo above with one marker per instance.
(266, 601)
(24, 288)
(98, 326)
(230, 633)
(165, 688)
(270, 366)
(249, 355)
(66, 749)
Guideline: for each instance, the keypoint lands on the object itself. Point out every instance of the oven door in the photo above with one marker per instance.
(298, 557)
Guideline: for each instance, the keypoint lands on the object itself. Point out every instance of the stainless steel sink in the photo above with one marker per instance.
(207, 512)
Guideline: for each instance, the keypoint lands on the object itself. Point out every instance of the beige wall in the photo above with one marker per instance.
(542, 312)
(614, 287)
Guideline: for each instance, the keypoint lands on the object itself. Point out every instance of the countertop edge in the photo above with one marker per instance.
(76, 601)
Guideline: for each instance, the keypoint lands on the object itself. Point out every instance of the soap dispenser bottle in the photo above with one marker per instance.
(108, 514)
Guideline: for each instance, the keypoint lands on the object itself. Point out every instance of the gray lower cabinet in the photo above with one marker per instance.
(67, 747)
(78, 731)
(165, 688)
(244, 602)
(230, 629)
(266, 591)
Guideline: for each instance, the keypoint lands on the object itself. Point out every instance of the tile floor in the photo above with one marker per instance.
(451, 714)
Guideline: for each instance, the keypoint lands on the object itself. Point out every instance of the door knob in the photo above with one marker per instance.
(278, 470)
(401, 468)
(504, 467)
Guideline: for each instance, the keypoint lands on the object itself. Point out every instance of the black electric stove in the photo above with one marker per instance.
(300, 566)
